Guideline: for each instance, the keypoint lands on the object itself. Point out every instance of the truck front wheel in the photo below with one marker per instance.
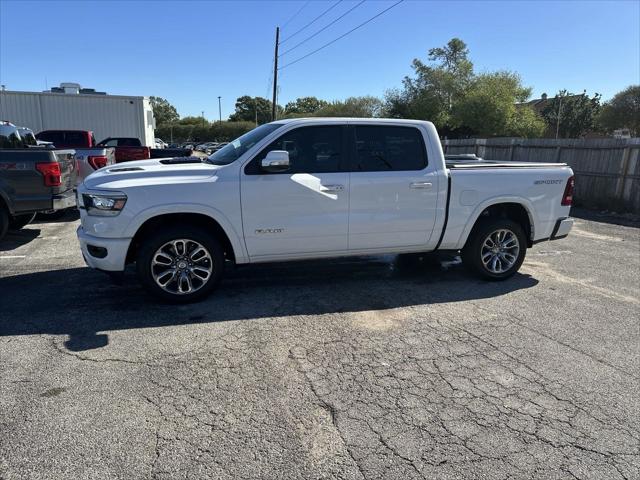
(496, 249)
(180, 264)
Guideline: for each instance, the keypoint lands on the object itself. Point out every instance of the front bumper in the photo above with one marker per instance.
(562, 228)
(107, 254)
(64, 200)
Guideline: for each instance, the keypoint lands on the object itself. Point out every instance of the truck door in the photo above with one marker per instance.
(303, 210)
(393, 189)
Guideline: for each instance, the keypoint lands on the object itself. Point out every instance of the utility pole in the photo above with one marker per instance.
(203, 118)
(275, 76)
(255, 108)
(219, 109)
(558, 118)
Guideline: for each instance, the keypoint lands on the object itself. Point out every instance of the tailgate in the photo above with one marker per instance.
(110, 153)
(68, 170)
(128, 154)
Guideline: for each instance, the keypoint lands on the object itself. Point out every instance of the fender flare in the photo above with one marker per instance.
(525, 203)
(237, 244)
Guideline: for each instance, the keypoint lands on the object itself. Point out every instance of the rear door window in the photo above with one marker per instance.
(77, 139)
(53, 137)
(380, 148)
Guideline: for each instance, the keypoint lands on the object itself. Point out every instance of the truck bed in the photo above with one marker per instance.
(484, 164)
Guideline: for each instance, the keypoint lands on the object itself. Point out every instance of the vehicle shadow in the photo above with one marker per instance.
(622, 219)
(69, 215)
(18, 238)
(81, 302)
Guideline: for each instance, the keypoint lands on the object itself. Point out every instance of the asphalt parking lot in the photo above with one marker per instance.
(374, 368)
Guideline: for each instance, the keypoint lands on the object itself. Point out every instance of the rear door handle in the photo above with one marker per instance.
(421, 185)
(331, 188)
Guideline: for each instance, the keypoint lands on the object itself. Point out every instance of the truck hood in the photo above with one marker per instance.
(150, 172)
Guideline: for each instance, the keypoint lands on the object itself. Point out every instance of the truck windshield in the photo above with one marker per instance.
(232, 151)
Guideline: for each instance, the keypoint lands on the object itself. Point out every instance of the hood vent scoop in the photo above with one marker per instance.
(179, 160)
(126, 169)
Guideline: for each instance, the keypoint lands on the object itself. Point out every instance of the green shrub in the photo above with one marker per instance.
(212, 132)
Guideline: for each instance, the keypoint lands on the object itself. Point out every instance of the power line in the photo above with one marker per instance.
(323, 28)
(341, 36)
(296, 14)
(312, 21)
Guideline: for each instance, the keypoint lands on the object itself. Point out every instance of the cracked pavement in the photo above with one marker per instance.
(358, 368)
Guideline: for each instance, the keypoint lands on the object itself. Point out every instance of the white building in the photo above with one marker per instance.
(71, 107)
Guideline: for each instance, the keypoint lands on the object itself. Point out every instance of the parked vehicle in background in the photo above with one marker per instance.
(89, 156)
(127, 148)
(314, 188)
(32, 179)
(214, 147)
(219, 146)
(170, 152)
(158, 143)
(201, 146)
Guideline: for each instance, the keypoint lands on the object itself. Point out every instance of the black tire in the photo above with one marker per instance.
(151, 245)
(4, 221)
(16, 222)
(472, 253)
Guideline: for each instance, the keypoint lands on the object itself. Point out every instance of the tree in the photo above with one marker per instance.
(622, 111)
(190, 120)
(303, 105)
(572, 116)
(217, 131)
(436, 87)
(163, 111)
(360, 107)
(526, 123)
(246, 107)
(490, 107)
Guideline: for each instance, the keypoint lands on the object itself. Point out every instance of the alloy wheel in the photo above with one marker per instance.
(182, 266)
(500, 251)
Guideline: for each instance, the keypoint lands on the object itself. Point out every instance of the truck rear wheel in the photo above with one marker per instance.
(496, 249)
(20, 221)
(180, 264)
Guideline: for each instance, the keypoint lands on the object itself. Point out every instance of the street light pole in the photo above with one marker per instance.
(203, 118)
(220, 109)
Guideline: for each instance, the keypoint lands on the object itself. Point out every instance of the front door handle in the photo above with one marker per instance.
(421, 185)
(331, 188)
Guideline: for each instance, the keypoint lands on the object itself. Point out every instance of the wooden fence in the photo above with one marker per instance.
(607, 170)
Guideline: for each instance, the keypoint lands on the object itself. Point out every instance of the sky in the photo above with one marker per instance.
(191, 52)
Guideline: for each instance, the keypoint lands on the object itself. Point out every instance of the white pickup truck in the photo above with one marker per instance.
(316, 188)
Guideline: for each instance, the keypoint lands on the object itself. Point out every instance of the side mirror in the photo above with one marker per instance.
(276, 161)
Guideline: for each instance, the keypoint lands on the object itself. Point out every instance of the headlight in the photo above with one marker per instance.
(105, 205)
